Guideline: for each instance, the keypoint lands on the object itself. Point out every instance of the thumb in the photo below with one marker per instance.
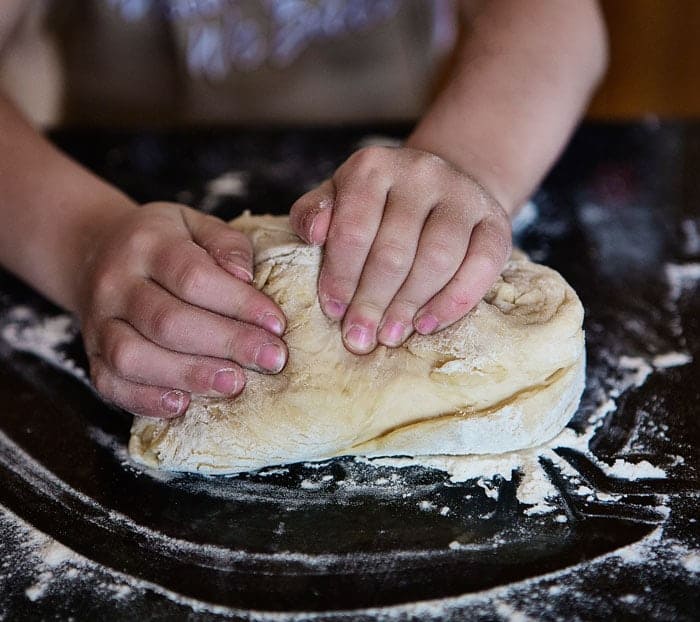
(310, 215)
(231, 249)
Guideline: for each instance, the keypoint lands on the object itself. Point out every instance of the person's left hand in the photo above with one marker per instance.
(410, 243)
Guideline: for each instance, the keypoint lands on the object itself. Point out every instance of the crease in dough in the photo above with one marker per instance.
(507, 376)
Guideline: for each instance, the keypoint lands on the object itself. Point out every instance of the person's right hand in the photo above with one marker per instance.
(167, 309)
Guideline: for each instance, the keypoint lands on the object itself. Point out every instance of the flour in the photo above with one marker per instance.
(522, 598)
(671, 359)
(535, 488)
(231, 184)
(26, 331)
(525, 218)
(681, 277)
(691, 235)
(629, 471)
(55, 568)
(691, 561)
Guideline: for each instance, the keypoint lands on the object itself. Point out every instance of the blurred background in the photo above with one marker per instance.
(654, 60)
(654, 69)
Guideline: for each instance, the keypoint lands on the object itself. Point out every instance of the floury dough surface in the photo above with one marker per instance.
(506, 377)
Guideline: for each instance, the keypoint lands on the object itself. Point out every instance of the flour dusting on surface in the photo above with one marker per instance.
(54, 569)
(24, 330)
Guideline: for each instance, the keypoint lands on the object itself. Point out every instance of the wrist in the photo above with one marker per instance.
(85, 241)
(489, 175)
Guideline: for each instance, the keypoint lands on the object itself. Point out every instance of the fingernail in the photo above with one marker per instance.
(322, 207)
(241, 273)
(225, 381)
(173, 401)
(311, 230)
(272, 323)
(335, 309)
(237, 262)
(393, 332)
(270, 356)
(426, 324)
(359, 338)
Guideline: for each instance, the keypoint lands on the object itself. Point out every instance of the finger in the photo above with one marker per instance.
(441, 250)
(181, 327)
(388, 264)
(132, 357)
(489, 248)
(139, 399)
(310, 215)
(189, 273)
(231, 249)
(357, 213)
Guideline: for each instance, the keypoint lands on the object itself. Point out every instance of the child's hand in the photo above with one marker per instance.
(410, 243)
(167, 308)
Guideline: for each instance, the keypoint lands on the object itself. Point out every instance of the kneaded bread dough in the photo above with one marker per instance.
(507, 376)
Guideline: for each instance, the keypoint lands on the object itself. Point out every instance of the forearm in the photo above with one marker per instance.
(523, 77)
(50, 210)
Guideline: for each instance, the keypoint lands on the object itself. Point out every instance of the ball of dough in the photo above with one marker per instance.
(507, 376)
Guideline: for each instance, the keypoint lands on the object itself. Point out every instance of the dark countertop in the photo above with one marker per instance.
(619, 217)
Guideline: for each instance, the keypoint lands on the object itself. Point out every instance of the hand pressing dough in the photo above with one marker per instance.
(507, 376)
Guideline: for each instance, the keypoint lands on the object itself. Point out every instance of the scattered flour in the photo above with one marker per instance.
(44, 337)
(691, 242)
(535, 488)
(426, 506)
(230, 184)
(671, 359)
(24, 330)
(630, 471)
(526, 216)
(681, 277)
(691, 561)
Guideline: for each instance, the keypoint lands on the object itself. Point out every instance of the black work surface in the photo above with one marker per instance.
(622, 205)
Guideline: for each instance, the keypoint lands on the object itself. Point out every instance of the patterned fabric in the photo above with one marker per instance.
(234, 34)
(285, 61)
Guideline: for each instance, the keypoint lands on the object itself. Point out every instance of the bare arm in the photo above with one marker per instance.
(162, 292)
(524, 75)
(51, 210)
(415, 236)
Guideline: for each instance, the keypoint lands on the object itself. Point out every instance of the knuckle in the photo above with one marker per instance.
(494, 256)
(163, 322)
(363, 310)
(190, 279)
(103, 281)
(440, 258)
(368, 159)
(240, 345)
(140, 240)
(403, 307)
(351, 236)
(138, 298)
(423, 162)
(119, 353)
(392, 259)
(337, 287)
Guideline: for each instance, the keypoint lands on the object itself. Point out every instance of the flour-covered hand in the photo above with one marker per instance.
(410, 243)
